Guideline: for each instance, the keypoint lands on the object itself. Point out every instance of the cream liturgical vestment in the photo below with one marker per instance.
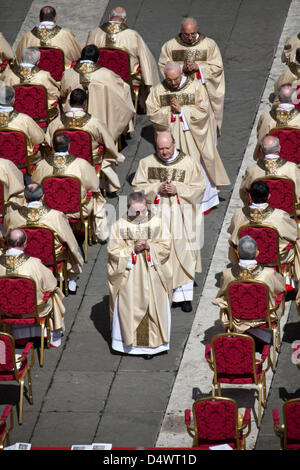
(13, 182)
(36, 213)
(77, 118)
(290, 74)
(182, 213)
(283, 115)
(109, 97)
(11, 119)
(51, 35)
(289, 51)
(15, 261)
(118, 35)
(139, 285)
(194, 129)
(30, 74)
(266, 215)
(205, 52)
(249, 270)
(270, 165)
(6, 51)
(62, 163)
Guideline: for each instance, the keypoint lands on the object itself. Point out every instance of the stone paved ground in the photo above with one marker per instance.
(86, 392)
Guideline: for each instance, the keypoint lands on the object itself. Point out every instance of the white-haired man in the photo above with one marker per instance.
(27, 72)
(180, 104)
(49, 34)
(247, 268)
(116, 33)
(200, 57)
(174, 185)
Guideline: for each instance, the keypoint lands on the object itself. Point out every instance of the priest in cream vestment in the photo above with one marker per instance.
(28, 73)
(271, 164)
(259, 212)
(282, 114)
(116, 34)
(248, 269)
(12, 119)
(49, 34)
(180, 105)
(13, 182)
(36, 212)
(6, 51)
(289, 50)
(15, 261)
(62, 163)
(109, 97)
(139, 281)
(174, 186)
(291, 74)
(78, 118)
(199, 57)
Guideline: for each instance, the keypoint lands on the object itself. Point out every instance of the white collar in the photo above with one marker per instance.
(246, 263)
(6, 109)
(183, 80)
(61, 153)
(272, 156)
(182, 37)
(27, 64)
(115, 22)
(35, 204)
(86, 61)
(171, 159)
(47, 25)
(74, 111)
(286, 106)
(261, 205)
(14, 251)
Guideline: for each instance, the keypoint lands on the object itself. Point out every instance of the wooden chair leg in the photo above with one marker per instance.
(21, 401)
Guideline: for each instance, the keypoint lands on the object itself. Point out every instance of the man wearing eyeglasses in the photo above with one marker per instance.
(199, 57)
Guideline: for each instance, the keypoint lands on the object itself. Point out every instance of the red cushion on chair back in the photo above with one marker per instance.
(62, 194)
(117, 61)
(234, 355)
(266, 240)
(6, 353)
(292, 420)
(31, 100)
(40, 244)
(248, 300)
(52, 60)
(281, 194)
(80, 145)
(13, 147)
(215, 420)
(17, 296)
(289, 143)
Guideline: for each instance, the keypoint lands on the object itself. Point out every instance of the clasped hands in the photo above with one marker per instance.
(168, 188)
(141, 245)
(190, 66)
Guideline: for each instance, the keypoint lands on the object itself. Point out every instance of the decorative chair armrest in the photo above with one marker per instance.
(265, 352)
(247, 416)
(26, 351)
(208, 352)
(275, 415)
(5, 414)
(187, 417)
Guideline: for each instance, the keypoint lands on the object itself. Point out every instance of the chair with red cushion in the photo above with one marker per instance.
(19, 307)
(250, 300)
(52, 60)
(13, 147)
(217, 421)
(63, 193)
(118, 61)
(41, 244)
(231, 356)
(33, 100)
(289, 138)
(4, 430)
(16, 367)
(267, 239)
(289, 431)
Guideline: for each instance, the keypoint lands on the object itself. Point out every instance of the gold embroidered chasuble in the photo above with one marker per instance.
(199, 140)
(143, 290)
(182, 213)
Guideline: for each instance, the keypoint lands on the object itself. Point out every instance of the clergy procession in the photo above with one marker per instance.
(69, 111)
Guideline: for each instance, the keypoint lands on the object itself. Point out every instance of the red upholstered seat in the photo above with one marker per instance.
(80, 143)
(12, 369)
(32, 100)
(215, 422)
(18, 305)
(231, 356)
(289, 143)
(282, 194)
(13, 147)
(52, 60)
(290, 431)
(249, 300)
(63, 193)
(4, 429)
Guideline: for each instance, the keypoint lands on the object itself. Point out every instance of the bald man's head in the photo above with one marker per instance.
(285, 93)
(16, 238)
(270, 144)
(165, 145)
(118, 14)
(189, 30)
(173, 74)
